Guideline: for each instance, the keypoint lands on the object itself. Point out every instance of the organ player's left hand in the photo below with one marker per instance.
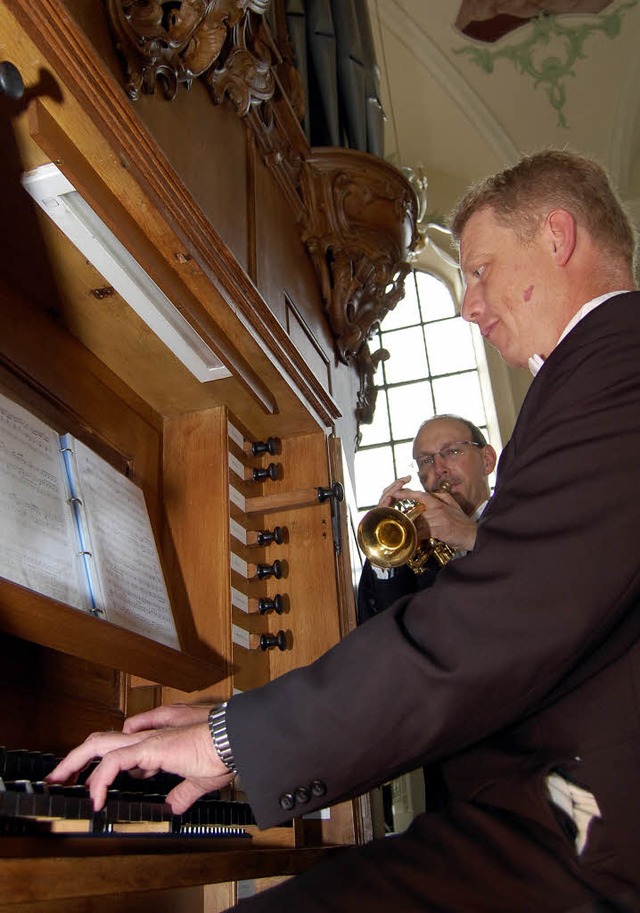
(183, 750)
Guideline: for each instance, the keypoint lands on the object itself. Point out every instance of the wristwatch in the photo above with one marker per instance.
(219, 737)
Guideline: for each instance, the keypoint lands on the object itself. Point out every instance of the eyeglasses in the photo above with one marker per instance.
(450, 454)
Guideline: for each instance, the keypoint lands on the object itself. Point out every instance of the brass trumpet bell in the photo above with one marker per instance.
(387, 537)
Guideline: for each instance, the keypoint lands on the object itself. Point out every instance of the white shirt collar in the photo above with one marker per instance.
(537, 361)
(478, 511)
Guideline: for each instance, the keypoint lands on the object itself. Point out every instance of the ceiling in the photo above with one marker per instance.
(570, 80)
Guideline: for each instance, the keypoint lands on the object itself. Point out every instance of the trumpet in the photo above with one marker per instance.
(388, 537)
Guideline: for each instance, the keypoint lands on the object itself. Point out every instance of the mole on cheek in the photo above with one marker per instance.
(528, 292)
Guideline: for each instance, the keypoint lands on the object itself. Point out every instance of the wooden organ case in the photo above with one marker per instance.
(216, 194)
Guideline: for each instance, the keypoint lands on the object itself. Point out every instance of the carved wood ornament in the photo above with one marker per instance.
(175, 41)
(359, 225)
(357, 213)
(366, 397)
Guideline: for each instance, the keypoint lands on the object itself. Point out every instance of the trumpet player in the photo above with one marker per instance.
(450, 453)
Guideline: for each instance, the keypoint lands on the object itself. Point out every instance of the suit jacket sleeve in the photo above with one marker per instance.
(503, 627)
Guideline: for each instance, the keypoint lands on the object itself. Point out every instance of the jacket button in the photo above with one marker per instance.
(318, 788)
(287, 801)
(303, 794)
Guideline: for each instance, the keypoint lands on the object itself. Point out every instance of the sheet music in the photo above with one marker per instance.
(37, 547)
(132, 584)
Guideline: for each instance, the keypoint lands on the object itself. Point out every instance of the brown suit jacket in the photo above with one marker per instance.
(523, 657)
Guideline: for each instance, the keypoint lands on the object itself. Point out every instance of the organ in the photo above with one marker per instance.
(216, 205)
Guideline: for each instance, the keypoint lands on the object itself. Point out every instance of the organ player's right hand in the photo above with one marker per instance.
(183, 750)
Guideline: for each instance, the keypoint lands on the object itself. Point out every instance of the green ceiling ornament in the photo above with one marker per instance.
(550, 71)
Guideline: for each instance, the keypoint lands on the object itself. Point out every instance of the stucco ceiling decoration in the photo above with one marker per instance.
(434, 60)
(552, 49)
(489, 20)
(448, 118)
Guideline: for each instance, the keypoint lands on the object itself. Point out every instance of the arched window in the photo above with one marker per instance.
(436, 365)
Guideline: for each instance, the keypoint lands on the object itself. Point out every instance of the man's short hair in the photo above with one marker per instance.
(522, 196)
(475, 434)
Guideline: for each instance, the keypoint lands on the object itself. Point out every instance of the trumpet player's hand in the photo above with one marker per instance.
(394, 492)
(443, 519)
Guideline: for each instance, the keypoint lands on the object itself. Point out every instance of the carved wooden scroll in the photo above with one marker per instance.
(175, 41)
(359, 226)
(366, 365)
(357, 213)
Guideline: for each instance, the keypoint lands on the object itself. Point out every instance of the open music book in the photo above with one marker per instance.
(74, 528)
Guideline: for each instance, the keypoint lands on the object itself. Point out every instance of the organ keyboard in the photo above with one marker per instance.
(31, 806)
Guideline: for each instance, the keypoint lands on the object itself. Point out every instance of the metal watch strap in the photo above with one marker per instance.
(219, 737)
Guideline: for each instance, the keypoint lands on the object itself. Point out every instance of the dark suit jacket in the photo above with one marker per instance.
(523, 657)
(376, 595)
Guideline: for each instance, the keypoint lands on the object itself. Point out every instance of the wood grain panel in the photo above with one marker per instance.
(30, 879)
(196, 498)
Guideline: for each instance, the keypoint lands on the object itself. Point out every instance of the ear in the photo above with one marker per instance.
(489, 459)
(561, 233)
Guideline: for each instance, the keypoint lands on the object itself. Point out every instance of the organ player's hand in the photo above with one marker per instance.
(168, 716)
(183, 750)
(443, 519)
